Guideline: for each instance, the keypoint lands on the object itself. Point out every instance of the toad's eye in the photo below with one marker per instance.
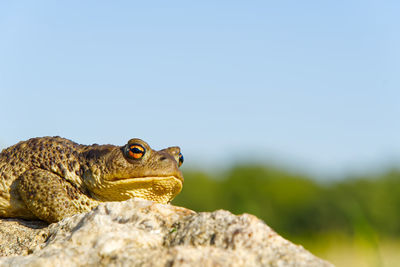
(180, 160)
(136, 151)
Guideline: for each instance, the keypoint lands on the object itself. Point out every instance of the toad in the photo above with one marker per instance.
(50, 178)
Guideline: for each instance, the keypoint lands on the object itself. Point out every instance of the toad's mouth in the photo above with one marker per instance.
(147, 178)
(160, 189)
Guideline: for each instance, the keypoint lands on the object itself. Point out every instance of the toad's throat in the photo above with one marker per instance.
(159, 189)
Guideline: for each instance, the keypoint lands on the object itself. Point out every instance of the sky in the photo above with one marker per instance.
(313, 85)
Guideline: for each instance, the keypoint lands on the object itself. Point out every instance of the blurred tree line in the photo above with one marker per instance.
(298, 206)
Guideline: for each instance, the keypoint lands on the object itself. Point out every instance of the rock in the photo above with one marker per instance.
(143, 233)
(18, 236)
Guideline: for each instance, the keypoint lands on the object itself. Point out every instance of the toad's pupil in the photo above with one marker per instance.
(137, 150)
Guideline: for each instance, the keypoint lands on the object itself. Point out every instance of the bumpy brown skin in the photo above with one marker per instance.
(50, 178)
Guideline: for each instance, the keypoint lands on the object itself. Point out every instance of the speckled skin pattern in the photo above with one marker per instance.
(50, 178)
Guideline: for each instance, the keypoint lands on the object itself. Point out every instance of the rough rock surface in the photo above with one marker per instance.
(143, 233)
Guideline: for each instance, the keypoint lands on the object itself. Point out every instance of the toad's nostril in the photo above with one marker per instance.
(163, 158)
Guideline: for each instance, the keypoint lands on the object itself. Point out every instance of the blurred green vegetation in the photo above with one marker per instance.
(363, 208)
(296, 205)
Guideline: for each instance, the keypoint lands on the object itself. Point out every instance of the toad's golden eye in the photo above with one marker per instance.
(180, 160)
(136, 151)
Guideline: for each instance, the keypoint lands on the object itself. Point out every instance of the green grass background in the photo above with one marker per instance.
(354, 221)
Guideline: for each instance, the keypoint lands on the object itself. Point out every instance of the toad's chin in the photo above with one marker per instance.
(158, 189)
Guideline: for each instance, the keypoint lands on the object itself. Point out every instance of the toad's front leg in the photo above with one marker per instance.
(50, 197)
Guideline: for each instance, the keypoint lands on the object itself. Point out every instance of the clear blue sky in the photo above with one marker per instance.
(310, 84)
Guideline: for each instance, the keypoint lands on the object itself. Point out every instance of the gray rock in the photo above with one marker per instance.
(143, 233)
